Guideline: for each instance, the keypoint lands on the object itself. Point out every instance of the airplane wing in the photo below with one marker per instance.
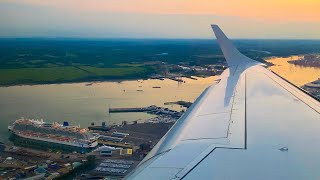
(251, 124)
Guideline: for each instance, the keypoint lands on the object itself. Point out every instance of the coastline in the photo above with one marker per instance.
(72, 82)
(93, 81)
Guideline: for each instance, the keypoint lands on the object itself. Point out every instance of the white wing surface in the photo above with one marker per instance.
(252, 124)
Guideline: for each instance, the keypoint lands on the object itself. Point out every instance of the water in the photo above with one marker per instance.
(81, 104)
(298, 75)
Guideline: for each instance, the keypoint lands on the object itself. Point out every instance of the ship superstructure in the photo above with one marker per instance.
(54, 132)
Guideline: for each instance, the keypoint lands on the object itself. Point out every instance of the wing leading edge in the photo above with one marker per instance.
(230, 52)
(236, 127)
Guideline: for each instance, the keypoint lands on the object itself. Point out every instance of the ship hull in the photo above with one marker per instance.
(75, 144)
(45, 145)
(51, 135)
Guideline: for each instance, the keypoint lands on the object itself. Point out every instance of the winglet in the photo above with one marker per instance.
(230, 52)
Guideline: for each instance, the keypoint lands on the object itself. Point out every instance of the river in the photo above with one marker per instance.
(298, 75)
(81, 104)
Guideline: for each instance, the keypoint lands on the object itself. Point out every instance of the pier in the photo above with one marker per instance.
(120, 110)
(150, 109)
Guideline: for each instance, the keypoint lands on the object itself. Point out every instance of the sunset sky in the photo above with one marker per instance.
(285, 19)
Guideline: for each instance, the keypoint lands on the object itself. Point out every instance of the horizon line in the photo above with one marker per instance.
(140, 38)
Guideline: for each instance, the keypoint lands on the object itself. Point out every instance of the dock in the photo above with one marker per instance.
(99, 128)
(114, 144)
(115, 110)
(175, 79)
(150, 109)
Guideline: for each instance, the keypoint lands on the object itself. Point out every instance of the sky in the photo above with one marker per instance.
(263, 19)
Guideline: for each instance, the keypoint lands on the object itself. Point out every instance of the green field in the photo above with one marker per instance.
(39, 61)
(38, 75)
(67, 74)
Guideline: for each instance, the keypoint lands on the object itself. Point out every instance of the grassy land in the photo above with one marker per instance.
(38, 61)
(38, 75)
(67, 74)
(129, 65)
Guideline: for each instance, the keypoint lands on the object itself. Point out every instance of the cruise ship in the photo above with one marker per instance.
(54, 133)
